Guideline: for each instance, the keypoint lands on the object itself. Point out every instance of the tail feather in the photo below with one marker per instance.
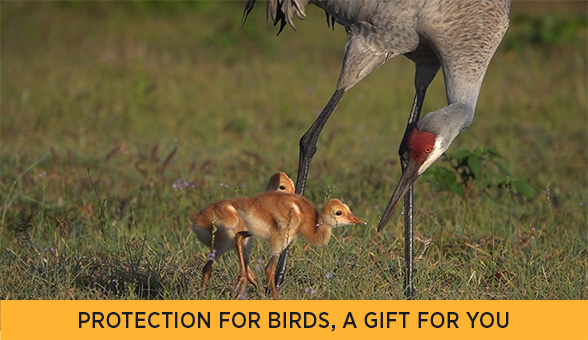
(280, 11)
(248, 7)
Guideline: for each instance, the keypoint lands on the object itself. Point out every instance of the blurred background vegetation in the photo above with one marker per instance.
(120, 118)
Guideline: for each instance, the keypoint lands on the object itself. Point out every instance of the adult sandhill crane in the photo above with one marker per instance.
(460, 36)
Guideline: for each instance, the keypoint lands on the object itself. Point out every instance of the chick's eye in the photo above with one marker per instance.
(338, 213)
(282, 187)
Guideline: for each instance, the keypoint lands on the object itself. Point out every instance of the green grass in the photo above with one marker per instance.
(121, 119)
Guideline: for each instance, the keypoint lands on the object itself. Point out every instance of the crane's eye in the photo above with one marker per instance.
(282, 187)
(421, 144)
(338, 213)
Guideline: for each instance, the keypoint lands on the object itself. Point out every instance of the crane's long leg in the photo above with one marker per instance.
(243, 264)
(425, 72)
(280, 270)
(409, 242)
(307, 151)
(248, 244)
(409, 202)
(270, 273)
(206, 274)
(357, 63)
(310, 138)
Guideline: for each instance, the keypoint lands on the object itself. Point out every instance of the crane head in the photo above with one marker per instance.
(424, 142)
(419, 150)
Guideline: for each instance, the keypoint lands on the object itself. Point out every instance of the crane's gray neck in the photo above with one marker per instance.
(462, 91)
(447, 123)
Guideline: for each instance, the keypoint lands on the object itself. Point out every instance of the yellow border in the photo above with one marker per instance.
(293, 319)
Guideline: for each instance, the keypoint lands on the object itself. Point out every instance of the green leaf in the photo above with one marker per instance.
(442, 179)
(455, 187)
(474, 165)
(459, 154)
(486, 181)
(522, 188)
(502, 167)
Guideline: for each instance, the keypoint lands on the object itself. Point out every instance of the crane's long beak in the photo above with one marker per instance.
(409, 175)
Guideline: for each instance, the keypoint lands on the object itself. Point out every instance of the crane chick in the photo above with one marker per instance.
(282, 218)
(220, 222)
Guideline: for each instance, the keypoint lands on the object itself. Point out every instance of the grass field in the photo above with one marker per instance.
(120, 119)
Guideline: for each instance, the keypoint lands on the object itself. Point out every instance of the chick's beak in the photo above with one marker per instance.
(409, 175)
(355, 220)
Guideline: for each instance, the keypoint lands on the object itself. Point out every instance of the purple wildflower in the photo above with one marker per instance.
(180, 183)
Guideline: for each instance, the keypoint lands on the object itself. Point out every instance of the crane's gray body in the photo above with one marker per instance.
(460, 35)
